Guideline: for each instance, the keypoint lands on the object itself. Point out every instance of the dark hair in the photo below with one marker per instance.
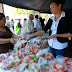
(1, 16)
(59, 2)
(36, 16)
(11, 19)
(25, 19)
(40, 19)
(7, 16)
(44, 19)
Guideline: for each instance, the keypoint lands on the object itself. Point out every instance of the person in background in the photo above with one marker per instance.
(44, 21)
(12, 23)
(19, 27)
(41, 22)
(6, 36)
(7, 22)
(60, 23)
(37, 25)
(24, 22)
(29, 26)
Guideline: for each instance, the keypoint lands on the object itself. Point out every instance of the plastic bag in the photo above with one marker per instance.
(60, 59)
(26, 71)
(22, 66)
(41, 52)
(34, 66)
(42, 61)
(20, 44)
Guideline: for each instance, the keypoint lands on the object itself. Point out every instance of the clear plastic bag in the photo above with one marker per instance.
(20, 44)
(60, 59)
(22, 66)
(41, 52)
(34, 66)
(42, 61)
(49, 63)
(26, 71)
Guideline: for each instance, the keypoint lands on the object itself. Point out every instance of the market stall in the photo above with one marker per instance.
(33, 56)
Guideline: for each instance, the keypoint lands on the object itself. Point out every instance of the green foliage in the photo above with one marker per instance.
(17, 11)
(46, 16)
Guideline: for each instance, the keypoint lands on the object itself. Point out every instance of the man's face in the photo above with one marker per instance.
(8, 18)
(31, 18)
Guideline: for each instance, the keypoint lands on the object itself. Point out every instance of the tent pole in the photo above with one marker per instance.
(1, 8)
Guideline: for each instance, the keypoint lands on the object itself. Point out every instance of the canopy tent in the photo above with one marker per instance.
(38, 5)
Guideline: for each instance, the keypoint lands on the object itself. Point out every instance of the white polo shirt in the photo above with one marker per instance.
(54, 43)
(37, 24)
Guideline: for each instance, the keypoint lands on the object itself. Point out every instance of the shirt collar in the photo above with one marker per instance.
(62, 15)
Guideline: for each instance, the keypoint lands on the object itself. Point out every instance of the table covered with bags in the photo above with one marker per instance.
(33, 56)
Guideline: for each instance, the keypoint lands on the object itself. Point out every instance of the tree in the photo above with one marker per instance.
(46, 16)
(18, 11)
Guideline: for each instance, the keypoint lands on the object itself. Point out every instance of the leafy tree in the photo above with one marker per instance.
(46, 16)
(17, 11)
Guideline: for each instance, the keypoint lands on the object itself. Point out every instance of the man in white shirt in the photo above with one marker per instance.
(7, 22)
(29, 26)
(37, 25)
(24, 22)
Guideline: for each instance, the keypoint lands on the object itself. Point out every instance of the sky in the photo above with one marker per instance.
(7, 11)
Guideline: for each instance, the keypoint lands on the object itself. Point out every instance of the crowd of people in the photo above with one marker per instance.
(6, 35)
(59, 25)
(21, 24)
